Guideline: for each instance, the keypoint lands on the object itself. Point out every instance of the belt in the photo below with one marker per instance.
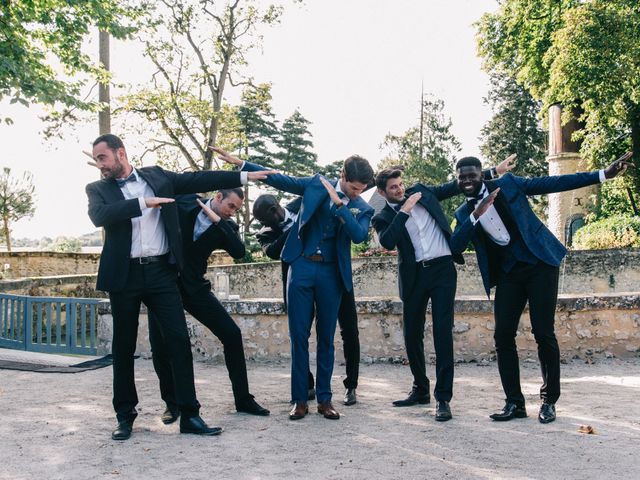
(435, 261)
(147, 260)
(316, 257)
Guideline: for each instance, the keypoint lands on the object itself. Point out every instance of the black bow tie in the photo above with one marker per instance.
(122, 181)
(399, 205)
(476, 199)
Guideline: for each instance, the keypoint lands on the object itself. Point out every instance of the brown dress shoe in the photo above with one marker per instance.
(298, 411)
(326, 409)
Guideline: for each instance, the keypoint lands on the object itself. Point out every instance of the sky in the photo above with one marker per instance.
(354, 68)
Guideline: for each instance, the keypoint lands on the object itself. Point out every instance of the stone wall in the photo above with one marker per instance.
(586, 326)
(586, 271)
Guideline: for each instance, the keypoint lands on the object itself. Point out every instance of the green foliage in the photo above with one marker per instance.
(294, 141)
(428, 153)
(40, 36)
(332, 170)
(619, 231)
(198, 47)
(515, 128)
(583, 55)
(66, 245)
(257, 125)
(16, 200)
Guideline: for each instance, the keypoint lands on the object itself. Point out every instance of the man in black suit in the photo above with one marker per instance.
(141, 256)
(277, 221)
(206, 226)
(413, 222)
(520, 257)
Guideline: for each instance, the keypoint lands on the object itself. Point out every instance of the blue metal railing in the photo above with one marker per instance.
(48, 324)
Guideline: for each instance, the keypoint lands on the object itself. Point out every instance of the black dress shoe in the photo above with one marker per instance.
(413, 398)
(350, 397)
(443, 411)
(123, 431)
(251, 407)
(312, 394)
(547, 413)
(170, 415)
(509, 412)
(197, 426)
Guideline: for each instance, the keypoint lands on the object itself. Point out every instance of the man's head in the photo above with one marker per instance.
(227, 202)
(355, 177)
(469, 176)
(111, 157)
(267, 210)
(390, 185)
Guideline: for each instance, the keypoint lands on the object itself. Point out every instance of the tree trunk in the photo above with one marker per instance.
(634, 193)
(7, 232)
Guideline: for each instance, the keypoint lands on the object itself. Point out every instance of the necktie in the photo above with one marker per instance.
(122, 181)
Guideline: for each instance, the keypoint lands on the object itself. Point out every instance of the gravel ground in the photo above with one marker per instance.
(57, 426)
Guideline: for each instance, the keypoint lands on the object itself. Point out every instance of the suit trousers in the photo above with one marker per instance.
(205, 308)
(155, 285)
(537, 284)
(312, 286)
(435, 280)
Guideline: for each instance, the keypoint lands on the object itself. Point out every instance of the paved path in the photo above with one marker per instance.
(57, 426)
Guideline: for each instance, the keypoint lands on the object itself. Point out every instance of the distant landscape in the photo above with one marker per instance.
(87, 243)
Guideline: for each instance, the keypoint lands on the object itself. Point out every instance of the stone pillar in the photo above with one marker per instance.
(567, 209)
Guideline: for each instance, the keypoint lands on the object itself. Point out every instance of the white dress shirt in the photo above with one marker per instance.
(148, 237)
(426, 235)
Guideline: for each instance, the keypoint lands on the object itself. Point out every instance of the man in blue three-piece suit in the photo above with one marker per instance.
(332, 215)
(520, 257)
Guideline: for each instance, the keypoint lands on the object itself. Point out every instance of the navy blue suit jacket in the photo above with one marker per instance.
(354, 218)
(513, 195)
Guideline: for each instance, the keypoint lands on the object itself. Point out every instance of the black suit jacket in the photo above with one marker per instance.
(109, 209)
(222, 235)
(272, 241)
(392, 231)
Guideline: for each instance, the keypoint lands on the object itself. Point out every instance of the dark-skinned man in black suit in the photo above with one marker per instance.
(140, 259)
(206, 226)
(277, 221)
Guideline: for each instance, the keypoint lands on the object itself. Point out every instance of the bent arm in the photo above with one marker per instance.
(462, 234)
(196, 182)
(233, 244)
(389, 233)
(556, 183)
(103, 214)
(280, 181)
(357, 228)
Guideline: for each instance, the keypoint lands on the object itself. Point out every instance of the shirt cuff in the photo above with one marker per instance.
(473, 219)
(244, 178)
(241, 166)
(143, 204)
(602, 176)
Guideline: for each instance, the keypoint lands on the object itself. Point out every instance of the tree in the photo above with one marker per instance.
(427, 151)
(515, 128)
(197, 47)
(294, 141)
(16, 200)
(581, 54)
(41, 36)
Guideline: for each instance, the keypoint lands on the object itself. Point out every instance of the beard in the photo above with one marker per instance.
(116, 171)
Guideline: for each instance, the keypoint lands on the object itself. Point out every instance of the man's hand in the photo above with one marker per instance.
(619, 166)
(507, 164)
(157, 202)
(260, 175)
(226, 156)
(485, 204)
(213, 216)
(333, 195)
(411, 202)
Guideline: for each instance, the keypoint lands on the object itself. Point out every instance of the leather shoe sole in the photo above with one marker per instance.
(123, 432)
(500, 417)
(408, 403)
(208, 431)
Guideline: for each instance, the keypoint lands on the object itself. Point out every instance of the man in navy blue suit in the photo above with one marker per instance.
(318, 249)
(520, 257)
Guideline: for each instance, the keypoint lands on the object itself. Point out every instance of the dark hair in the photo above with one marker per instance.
(112, 141)
(228, 191)
(469, 162)
(387, 174)
(357, 169)
(262, 204)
